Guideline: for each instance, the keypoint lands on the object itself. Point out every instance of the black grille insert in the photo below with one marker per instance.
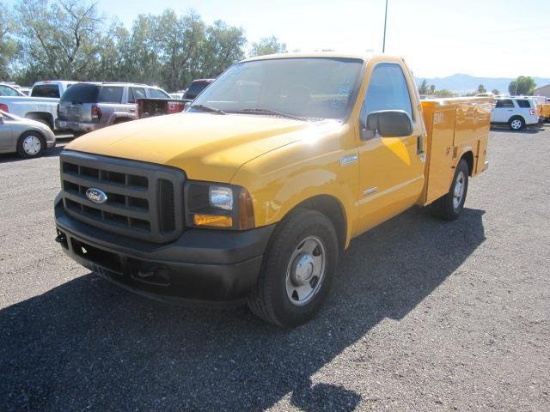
(143, 201)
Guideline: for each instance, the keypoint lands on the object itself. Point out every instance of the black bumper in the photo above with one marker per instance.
(201, 265)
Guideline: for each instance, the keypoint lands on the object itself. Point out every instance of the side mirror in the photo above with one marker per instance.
(387, 123)
(1, 118)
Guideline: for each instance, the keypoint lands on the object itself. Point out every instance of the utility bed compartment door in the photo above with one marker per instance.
(440, 123)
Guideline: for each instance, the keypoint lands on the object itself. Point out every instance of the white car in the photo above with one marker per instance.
(516, 112)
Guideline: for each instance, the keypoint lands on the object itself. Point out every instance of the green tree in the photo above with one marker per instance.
(481, 89)
(444, 93)
(224, 46)
(267, 45)
(523, 85)
(423, 89)
(58, 40)
(8, 46)
(180, 48)
(432, 88)
(495, 91)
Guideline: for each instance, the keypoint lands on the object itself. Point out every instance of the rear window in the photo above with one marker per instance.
(81, 93)
(524, 104)
(45, 90)
(158, 94)
(195, 88)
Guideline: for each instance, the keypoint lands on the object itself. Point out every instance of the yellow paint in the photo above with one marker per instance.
(283, 162)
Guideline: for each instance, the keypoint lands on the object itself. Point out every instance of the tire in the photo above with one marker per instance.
(516, 123)
(31, 144)
(451, 205)
(297, 270)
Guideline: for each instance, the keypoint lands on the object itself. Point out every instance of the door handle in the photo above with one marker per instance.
(420, 144)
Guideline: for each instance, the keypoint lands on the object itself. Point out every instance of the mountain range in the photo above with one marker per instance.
(464, 83)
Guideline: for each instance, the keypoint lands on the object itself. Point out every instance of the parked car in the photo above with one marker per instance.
(89, 106)
(177, 102)
(26, 137)
(9, 90)
(195, 88)
(516, 112)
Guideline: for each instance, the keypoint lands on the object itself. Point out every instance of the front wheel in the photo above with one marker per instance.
(297, 270)
(31, 144)
(450, 206)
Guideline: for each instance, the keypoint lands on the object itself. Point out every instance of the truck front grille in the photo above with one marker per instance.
(143, 201)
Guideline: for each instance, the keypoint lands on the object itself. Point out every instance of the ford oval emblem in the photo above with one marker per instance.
(96, 195)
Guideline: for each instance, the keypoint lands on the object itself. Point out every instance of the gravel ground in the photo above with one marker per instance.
(426, 315)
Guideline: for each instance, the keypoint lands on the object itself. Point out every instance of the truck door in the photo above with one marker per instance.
(392, 168)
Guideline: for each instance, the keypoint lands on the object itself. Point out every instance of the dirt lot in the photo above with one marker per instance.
(426, 315)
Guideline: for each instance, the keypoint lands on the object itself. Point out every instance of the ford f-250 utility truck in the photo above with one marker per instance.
(257, 188)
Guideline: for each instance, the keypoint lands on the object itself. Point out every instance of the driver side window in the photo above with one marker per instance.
(387, 91)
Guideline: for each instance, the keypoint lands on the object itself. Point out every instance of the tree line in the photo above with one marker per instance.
(522, 86)
(68, 39)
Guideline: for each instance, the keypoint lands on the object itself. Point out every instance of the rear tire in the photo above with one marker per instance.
(297, 271)
(450, 206)
(516, 123)
(31, 144)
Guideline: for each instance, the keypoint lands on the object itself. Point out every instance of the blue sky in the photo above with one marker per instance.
(492, 38)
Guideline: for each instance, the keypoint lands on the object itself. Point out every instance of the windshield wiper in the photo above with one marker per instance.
(203, 108)
(270, 112)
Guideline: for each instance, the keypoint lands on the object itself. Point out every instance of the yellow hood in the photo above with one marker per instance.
(206, 146)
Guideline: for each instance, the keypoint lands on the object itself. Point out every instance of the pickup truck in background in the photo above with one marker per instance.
(158, 107)
(41, 105)
(254, 192)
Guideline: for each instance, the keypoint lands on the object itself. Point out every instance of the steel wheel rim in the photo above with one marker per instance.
(458, 192)
(31, 145)
(306, 271)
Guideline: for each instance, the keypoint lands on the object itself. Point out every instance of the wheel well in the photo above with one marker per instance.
(41, 117)
(469, 157)
(331, 208)
(517, 116)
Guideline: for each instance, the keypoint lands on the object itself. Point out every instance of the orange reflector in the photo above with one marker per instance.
(213, 220)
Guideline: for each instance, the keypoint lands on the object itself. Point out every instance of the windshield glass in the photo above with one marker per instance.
(308, 88)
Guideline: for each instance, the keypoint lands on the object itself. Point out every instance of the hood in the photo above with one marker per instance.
(206, 146)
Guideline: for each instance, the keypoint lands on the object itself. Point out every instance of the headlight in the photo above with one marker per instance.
(221, 197)
(211, 205)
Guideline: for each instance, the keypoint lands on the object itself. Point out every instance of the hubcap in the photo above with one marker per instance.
(31, 145)
(306, 271)
(516, 124)
(458, 191)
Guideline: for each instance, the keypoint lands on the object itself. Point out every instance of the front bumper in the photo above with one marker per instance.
(212, 266)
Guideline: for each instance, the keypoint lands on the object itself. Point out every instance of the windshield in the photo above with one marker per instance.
(308, 88)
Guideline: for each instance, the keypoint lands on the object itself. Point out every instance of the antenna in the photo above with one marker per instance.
(385, 22)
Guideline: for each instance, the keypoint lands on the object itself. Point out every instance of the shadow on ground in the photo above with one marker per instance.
(90, 345)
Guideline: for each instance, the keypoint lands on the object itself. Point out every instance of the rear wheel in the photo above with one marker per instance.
(31, 144)
(516, 123)
(297, 270)
(450, 206)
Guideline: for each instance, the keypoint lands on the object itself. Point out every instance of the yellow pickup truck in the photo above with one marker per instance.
(254, 192)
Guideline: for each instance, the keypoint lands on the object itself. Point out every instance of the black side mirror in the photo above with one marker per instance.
(387, 123)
